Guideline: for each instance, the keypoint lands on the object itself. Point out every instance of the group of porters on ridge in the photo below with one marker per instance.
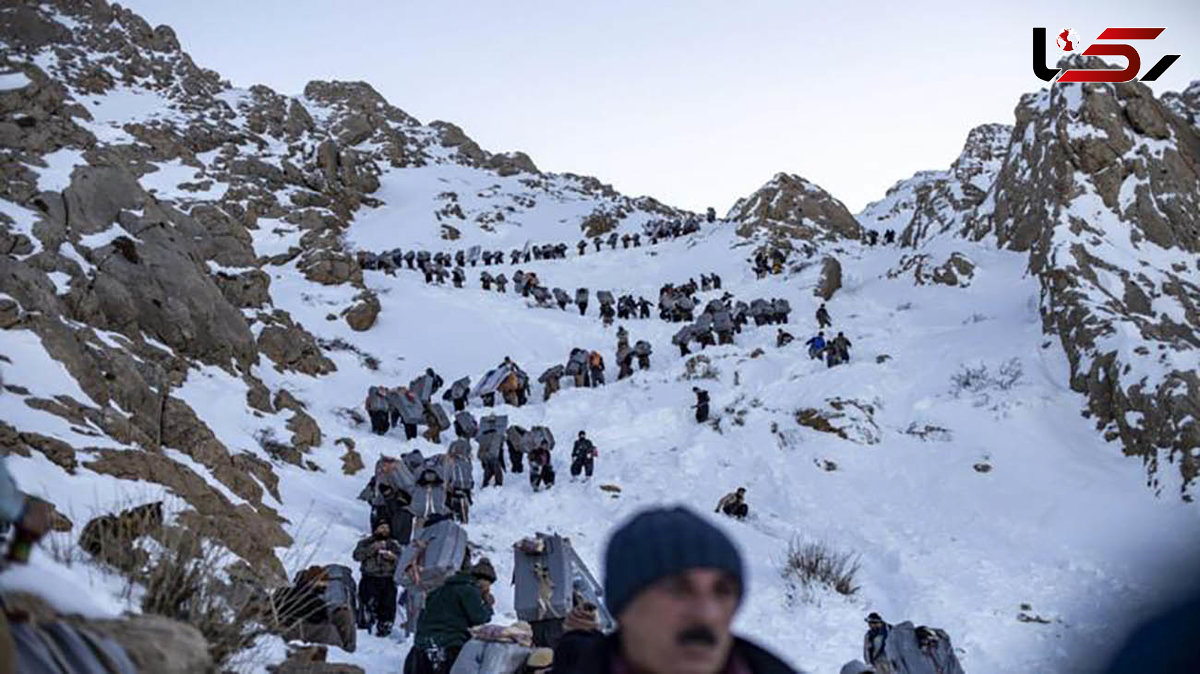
(437, 264)
(673, 584)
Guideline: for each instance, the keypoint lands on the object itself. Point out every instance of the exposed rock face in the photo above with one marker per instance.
(831, 278)
(136, 266)
(790, 207)
(852, 420)
(1101, 187)
(956, 271)
(361, 316)
(599, 223)
(329, 267)
(112, 537)
(157, 644)
(10, 312)
(290, 346)
(1186, 103)
(306, 434)
(936, 202)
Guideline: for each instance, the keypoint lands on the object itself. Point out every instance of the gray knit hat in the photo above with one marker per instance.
(662, 542)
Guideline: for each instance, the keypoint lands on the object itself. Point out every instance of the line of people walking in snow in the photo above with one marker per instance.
(434, 482)
(438, 264)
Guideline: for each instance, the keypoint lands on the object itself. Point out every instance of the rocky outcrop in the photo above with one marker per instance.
(789, 207)
(290, 346)
(955, 271)
(830, 280)
(112, 538)
(158, 644)
(306, 434)
(1186, 103)
(1101, 188)
(852, 420)
(246, 531)
(362, 314)
(598, 223)
(330, 267)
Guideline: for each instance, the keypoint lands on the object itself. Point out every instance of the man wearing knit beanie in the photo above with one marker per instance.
(674, 583)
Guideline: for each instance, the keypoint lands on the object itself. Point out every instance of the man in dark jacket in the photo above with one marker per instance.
(875, 642)
(378, 554)
(842, 346)
(701, 404)
(392, 508)
(583, 457)
(541, 472)
(674, 583)
(643, 307)
(444, 625)
(581, 300)
(823, 320)
(581, 633)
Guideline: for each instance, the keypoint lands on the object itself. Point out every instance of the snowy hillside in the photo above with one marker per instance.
(180, 273)
(1060, 521)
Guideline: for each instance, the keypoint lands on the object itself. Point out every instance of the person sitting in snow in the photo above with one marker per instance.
(734, 505)
(783, 338)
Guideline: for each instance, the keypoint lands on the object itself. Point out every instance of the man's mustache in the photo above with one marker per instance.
(698, 635)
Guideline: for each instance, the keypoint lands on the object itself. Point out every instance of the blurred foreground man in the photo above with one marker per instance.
(674, 583)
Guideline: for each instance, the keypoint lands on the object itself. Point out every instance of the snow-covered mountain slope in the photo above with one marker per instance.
(1099, 183)
(177, 260)
(134, 184)
(1060, 520)
(935, 202)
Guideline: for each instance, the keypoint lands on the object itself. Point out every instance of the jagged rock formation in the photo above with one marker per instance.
(935, 202)
(830, 280)
(1186, 103)
(788, 208)
(1102, 187)
(956, 271)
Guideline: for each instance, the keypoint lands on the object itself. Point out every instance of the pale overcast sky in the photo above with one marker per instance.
(695, 103)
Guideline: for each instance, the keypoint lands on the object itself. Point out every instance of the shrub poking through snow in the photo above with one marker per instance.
(979, 379)
(811, 565)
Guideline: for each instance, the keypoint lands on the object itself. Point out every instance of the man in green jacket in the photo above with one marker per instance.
(462, 602)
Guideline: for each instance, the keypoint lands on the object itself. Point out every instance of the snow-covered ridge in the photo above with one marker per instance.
(936, 202)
